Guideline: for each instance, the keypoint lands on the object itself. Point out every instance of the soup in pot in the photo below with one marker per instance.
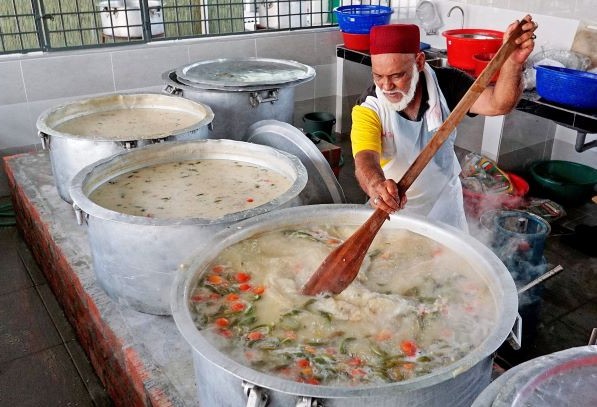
(415, 307)
(209, 188)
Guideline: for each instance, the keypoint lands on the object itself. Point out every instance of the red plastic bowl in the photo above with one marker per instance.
(481, 61)
(463, 43)
(357, 42)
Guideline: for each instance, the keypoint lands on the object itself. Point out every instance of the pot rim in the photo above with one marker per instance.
(43, 126)
(452, 34)
(196, 264)
(142, 157)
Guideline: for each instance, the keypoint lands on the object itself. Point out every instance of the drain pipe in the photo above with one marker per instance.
(580, 145)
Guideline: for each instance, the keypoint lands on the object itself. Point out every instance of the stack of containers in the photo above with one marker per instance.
(356, 22)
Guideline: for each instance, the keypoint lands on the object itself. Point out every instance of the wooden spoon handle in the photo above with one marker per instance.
(460, 110)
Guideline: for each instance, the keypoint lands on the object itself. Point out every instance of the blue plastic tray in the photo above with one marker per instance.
(569, 87)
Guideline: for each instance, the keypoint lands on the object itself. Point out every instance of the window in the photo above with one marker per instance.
(30, 25)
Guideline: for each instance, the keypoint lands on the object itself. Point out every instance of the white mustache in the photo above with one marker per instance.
(393, 92)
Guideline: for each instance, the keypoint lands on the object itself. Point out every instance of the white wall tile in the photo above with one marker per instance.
(235, 47)
(13, 87)
(144, 67)
(17, 128)
(297, 47)
(69, 75)
(563, 148)
(325, 80)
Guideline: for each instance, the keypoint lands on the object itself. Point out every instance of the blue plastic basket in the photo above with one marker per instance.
(359, 19)
(569, 87)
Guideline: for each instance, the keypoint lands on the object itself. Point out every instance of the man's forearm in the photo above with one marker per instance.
(368, 171)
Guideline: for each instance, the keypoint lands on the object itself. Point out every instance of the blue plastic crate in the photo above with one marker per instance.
(359, 19)
(569, 87)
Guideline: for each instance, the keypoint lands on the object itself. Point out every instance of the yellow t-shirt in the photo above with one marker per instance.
(366, 131)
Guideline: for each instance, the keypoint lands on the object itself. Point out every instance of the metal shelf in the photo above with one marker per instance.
(530, 102)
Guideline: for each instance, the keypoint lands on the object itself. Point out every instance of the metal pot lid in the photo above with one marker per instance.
(322, 186)
(244, 72)
(560, 379)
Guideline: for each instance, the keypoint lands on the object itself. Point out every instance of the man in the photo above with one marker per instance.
(396, 117)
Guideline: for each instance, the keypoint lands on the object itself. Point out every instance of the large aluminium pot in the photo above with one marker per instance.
(240, 91)
(135, 258)
(70, 152)
(221, 381)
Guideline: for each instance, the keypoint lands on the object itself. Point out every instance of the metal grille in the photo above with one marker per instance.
(29, 25)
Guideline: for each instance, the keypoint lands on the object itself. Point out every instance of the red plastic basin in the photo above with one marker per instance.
(357, 42)
(463, 44)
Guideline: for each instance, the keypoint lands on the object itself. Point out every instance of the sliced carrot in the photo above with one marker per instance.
(218, 269)
(254, 336)
(242, 277)
(303, 363)
(408, 366)
(408, 347)
(357, 372)
(258, 290)
(383, 335)
(215, 279)
(222, 322)
(250, 200)
(244, 287)
(197, 298)
(226, 333)
(237, 306)
(354, 361)
(232, 297)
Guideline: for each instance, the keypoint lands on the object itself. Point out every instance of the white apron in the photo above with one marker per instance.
(437, 191)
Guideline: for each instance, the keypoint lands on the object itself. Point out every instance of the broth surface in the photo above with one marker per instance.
(129, 124)
(415, 307)
(209, 189)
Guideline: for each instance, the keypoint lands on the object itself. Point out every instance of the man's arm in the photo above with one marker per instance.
(503, 97)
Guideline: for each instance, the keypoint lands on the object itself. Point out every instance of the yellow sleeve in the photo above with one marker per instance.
(365, 133)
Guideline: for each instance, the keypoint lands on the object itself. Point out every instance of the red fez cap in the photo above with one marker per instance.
(394, 39)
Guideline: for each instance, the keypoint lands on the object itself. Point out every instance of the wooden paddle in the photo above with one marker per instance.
(342, 265)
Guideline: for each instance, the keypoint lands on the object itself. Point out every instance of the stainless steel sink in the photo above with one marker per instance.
(436, 57)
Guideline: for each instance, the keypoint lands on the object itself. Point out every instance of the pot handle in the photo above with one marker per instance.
(79, 214)
(173, 90)
(45, 140)
(255, 98)
(515, 336)
(256, 396)
(305, 401)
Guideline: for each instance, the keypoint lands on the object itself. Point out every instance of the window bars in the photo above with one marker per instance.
(46, 25)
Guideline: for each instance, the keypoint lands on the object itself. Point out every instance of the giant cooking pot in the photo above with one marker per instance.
(222, 381)
(135, 258)
(241, 91)
(81, 132)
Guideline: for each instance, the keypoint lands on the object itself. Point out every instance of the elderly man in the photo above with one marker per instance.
(396, 117)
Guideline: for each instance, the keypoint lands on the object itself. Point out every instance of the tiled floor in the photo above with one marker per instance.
(42, 364)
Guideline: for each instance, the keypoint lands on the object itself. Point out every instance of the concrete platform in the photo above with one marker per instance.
(141, 359)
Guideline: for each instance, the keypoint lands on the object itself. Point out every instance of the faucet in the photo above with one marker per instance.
(461, 10)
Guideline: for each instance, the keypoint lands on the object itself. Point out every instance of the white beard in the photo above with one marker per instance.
(406, 97)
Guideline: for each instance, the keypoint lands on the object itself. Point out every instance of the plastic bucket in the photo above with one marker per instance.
(319, 121)
(517, 237)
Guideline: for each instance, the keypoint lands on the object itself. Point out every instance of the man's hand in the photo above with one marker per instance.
(526, 42)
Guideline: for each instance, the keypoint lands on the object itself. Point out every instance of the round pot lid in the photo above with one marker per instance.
(322, 186)
(564, 378)
(244, 72)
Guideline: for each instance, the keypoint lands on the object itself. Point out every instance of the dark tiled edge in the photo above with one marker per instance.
(353, 56)
(96, 390)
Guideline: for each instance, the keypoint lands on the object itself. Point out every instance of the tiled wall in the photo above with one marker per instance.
(35, 82)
